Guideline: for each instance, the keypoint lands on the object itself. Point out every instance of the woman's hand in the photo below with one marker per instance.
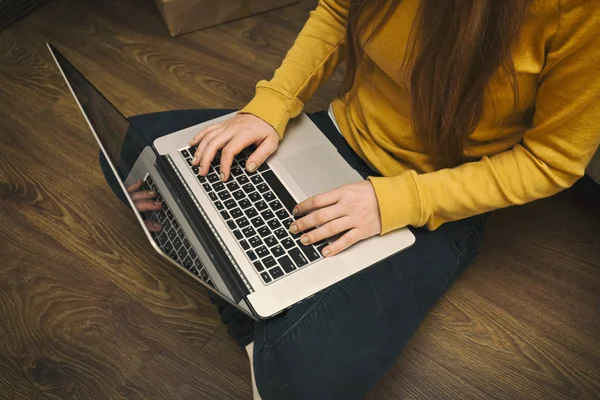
(143, 201)
(350, 208)
(232, 136)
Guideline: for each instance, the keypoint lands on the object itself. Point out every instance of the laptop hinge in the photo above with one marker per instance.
(204, 230)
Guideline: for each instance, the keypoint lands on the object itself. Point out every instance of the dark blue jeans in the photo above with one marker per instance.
(339, 343)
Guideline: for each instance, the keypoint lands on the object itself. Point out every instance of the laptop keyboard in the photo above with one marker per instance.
(171, 239)
(257, 209)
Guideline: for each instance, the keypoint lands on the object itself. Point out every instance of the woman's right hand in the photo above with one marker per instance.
(231, 137)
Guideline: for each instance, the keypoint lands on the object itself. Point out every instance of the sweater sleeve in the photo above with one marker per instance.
(313, 58)
(552, 155)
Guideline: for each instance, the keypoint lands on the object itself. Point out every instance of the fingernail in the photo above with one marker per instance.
(222, 175)
(326, 252)
(252, 167)
(157, 225)
(150, 192)
(194, 160)
(191, 142)
(304, 239)
(200, 170)
(295, 211)
(293, 228)
(158, 203)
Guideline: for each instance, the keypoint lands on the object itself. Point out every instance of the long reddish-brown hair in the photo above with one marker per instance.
(461, 44)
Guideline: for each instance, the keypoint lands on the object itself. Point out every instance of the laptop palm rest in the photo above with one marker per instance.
(315, 170)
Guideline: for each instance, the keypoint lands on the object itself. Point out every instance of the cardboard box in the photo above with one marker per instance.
(183, 16)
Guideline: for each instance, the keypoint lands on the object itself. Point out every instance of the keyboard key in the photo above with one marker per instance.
(321, 247)
(262, 188)
(287, 223)
(264, 231)
(233, 186)
(219, 205)
(182, 253)
(277, 251)
(251, 255)
(193, 150)
(162, 238)
(172, 234)
(263, 167)
(193, 254)
(225, 215)
(242, 179)
(269, 196)
(269, 262)
(189, 161)
(257, 180)
(224, 195)
(207, 187)
(254, 197)
(281, 233)
(255, 241)
(213, 178)
(287, 264)
(238, 195)
(231, 224)
(298, 257)
(169, 214)
(248, 188)
(185, 154)
(204, 274)
(262, 252)
(167, 248)
(249, 231)
(274, 224)
(236, 213)
(257, 222)
(242, 222)
(267, 215)
(275, 205)
(218, 186)
(287, 243)
(280, 190)
(244, 203)
(276, 272)
(258, 266)
(265, 277)
(201, 178)
(309, 251)
(236, 171)
(187, 263)
(261, 205)
(195, 169)
(238, 235)
(270, 241)
(251, 213)
(229, 204)
(186, 244)
(245, 245)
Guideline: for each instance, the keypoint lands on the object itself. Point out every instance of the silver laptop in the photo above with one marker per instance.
(232, 237)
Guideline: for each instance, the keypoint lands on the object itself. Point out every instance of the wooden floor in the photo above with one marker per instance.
(87, 311)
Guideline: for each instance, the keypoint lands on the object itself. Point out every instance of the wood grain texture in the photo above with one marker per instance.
(88, 311)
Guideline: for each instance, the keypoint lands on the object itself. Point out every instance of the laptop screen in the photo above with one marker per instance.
(118, 137)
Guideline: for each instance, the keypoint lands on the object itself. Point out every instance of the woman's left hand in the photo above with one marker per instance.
(350, 208)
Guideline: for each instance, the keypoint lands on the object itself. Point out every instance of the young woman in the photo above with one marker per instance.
(451, 108)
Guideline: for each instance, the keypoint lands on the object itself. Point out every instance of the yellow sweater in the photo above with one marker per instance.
(557, 59)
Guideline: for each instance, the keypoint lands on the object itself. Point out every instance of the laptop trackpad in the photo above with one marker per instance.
(317, 170)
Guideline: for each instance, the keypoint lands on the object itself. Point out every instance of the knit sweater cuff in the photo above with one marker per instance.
(399, 202)
(273, 106)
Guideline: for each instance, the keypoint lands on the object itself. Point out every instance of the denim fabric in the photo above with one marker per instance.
(339, 343)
